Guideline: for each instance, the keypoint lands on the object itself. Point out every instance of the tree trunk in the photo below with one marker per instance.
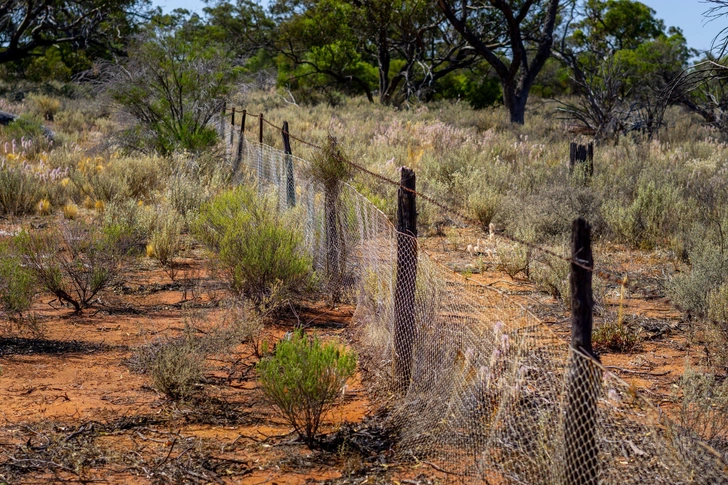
(515, 101)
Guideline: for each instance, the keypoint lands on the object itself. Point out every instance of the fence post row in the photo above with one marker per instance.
(583, 382)
(290, 182)
(581, 154)
(241, 140)
(404, 291)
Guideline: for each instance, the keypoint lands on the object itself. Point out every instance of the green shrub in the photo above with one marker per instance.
(74, 262)
(177, 368)
(690, 289)
(17, 285)
(20, 190)
(303, 379)
(650, 218)
(260, 249)
(173, 88)
(185, 194)
(484, 205)
(127, 226)
(44, 105)
(551, 274)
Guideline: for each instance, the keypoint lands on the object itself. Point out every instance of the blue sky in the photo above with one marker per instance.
(686, 14)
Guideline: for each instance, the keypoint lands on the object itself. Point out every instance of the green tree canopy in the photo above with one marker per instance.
(76, 31)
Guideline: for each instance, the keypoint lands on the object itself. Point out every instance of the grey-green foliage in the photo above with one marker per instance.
(166, 238)
(653, 215)
(690, 289)
(127, 225)
(703, 406)
(303, 379)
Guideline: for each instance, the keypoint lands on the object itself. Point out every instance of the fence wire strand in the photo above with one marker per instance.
(494, 396)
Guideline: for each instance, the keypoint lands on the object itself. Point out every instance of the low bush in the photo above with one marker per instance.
(615, 336)
(44, 105)
(127, 225)
(483, 206)
(703, 406)
(17, 285)
(260, 249)
(165, 242)
(691, 289)
(177, 368)
(20, 190)
(74, 262)
(651, 217)
(303, 378)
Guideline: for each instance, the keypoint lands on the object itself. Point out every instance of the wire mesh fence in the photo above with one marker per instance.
(491, 394)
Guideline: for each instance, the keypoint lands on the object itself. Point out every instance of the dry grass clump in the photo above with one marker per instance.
(615, 336)
(20, 190)
(703, 406)
(45, 106)
(177, 368)
(165, 242)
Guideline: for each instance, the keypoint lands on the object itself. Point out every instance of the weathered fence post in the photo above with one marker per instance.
(260, 159)
(260, 129)
(290, 182)
(241, 140)
(584, 374)
(222, 120)
(581, 155)
(404, 291)
(232, 128)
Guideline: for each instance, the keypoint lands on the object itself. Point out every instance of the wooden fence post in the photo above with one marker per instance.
(581, 154)
(290, 182)
(260, 158)
(260, 129)
(241, 140)
(404, 291)
(583, 383)
(222, 120)
(232, 128)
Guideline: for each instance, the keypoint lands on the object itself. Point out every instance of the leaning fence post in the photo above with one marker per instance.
(404, 291)
(290, 183)
(584, 374)
(241, 140)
